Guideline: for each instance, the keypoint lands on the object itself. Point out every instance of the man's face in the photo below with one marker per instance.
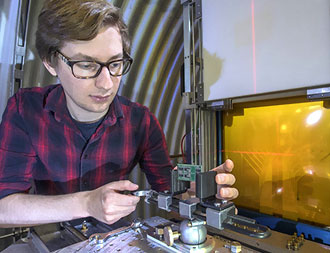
(89, 99)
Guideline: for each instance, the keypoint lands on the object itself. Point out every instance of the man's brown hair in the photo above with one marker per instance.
(63, 21)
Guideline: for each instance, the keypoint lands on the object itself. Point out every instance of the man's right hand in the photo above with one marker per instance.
(108, 205)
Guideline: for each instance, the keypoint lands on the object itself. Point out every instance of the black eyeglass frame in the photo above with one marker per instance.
(71, 63)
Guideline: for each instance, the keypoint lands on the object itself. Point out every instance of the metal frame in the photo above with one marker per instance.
(200, 123)
(203, 118)
(20, 48)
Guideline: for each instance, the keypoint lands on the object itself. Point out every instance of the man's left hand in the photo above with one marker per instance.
(225, 180)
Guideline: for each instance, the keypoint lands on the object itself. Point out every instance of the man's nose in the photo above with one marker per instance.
(104, 80)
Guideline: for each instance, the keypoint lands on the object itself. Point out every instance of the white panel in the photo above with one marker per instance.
(260, 46)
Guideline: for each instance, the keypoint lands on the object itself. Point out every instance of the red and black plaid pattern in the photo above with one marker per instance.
(40, 145)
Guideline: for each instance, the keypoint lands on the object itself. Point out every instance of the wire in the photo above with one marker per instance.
(182, 152)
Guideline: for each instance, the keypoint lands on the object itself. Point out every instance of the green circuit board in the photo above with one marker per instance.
(187, 172)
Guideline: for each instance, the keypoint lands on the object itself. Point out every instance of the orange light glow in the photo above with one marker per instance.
(313, 117)
(284, 127)
(282, 156)
(257, 153)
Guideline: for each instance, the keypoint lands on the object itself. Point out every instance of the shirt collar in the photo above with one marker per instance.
(55, 102)
(115, 112)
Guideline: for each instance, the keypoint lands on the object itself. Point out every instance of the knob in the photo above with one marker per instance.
(170, 236)
(235, 247)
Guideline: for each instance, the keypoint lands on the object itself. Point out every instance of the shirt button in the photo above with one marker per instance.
(85, 183)
(85, 156)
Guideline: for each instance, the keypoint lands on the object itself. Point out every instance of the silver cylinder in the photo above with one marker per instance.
(192, 233)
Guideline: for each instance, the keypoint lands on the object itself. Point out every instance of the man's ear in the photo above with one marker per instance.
(49, 67)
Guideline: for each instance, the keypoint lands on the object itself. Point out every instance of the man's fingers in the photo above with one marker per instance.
(227, 166)
(228, 193)
(127, 200)
(223, 178)
(112, 197)
(122, 185)
(118, 199)
(115, 216)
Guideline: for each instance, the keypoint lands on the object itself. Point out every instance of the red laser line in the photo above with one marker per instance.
(257, 153)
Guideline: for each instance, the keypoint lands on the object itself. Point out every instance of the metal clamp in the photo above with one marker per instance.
(100, 238)
(164, 202)
(188, 207)
(145, 193)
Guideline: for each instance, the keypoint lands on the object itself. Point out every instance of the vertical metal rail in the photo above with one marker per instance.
(209, 139)
(207, 135)
(187, 45)
(202, 127)
(20, 45)
(196, 112)
(199, 85)
(219, 137)
(192, 128)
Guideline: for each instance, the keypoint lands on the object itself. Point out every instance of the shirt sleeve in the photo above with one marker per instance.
(17, 156)
(155, 162)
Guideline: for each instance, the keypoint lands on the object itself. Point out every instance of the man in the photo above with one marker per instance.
(76, 143)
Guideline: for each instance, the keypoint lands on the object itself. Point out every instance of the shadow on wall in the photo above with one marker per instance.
(215, 66)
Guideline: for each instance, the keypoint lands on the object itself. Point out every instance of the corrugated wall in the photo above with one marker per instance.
(157, 49)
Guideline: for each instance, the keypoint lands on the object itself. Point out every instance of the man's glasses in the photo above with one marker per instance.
(91, 69)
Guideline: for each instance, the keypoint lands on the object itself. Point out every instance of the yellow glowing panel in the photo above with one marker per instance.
(282, 159)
